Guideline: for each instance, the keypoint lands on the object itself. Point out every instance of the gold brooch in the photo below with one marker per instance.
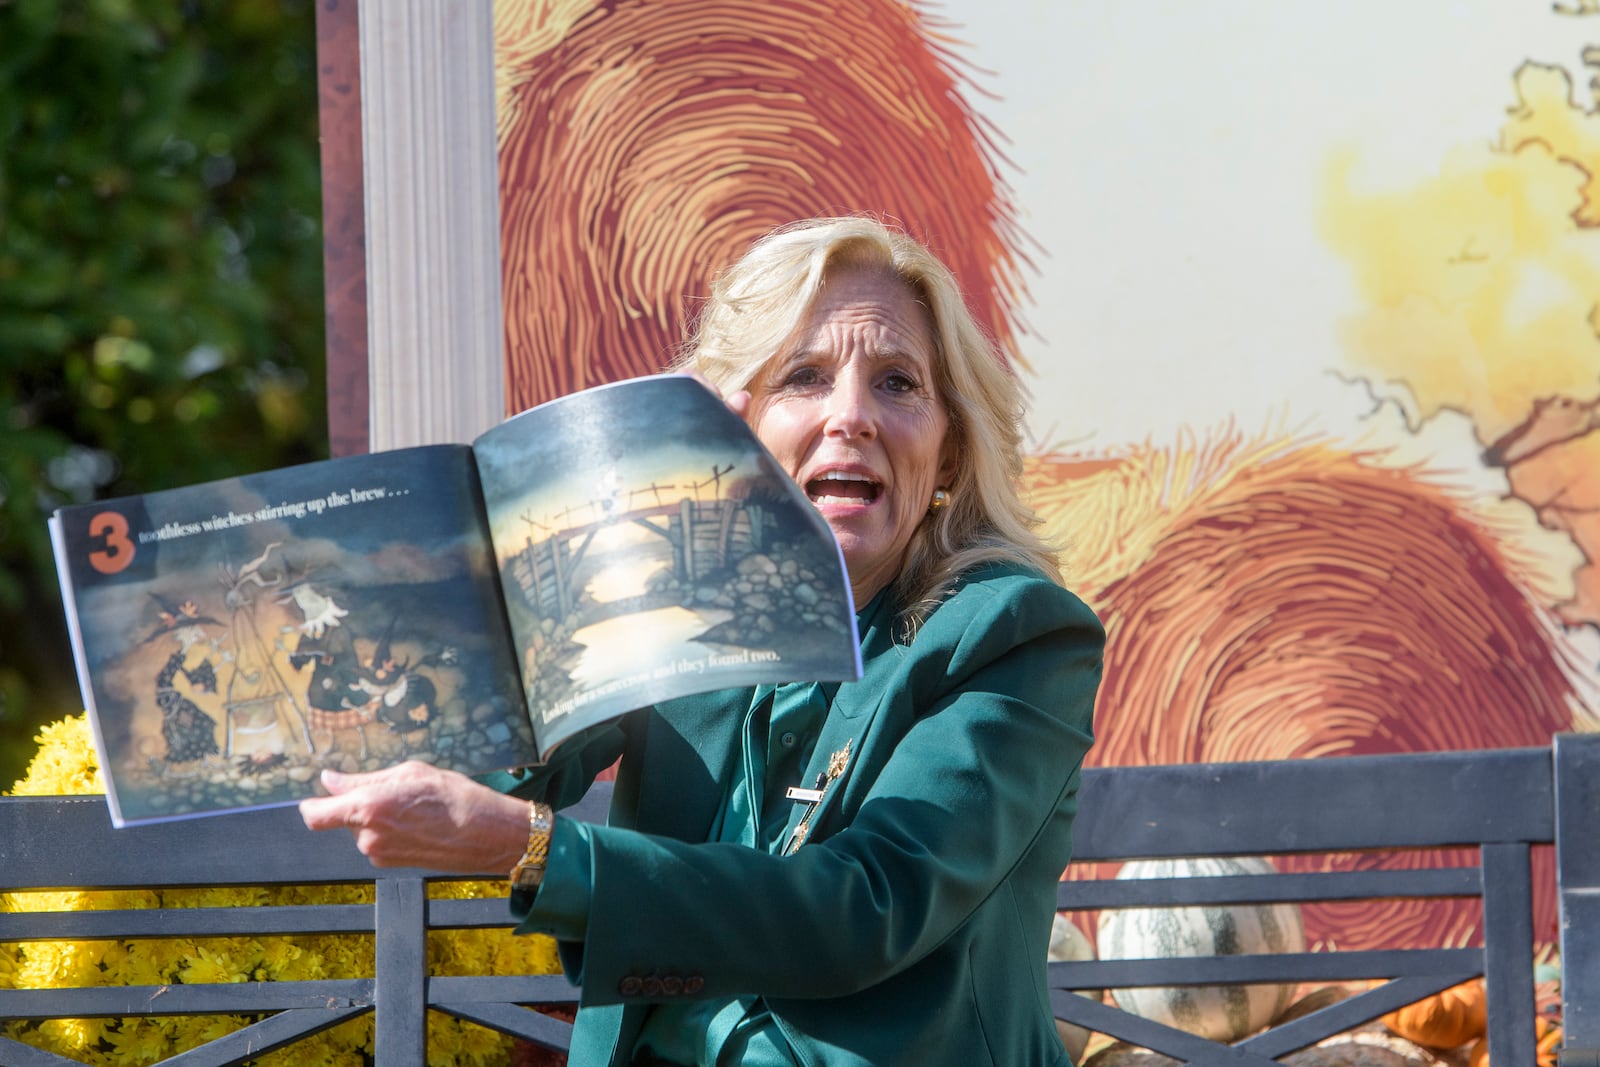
(839, 761)
(812, 798)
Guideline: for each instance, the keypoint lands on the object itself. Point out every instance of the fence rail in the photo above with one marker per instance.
(1501, 803)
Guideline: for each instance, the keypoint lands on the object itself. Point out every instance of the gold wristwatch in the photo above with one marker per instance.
(529, 871)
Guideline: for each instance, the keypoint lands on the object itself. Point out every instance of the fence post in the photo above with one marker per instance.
(400, 971)
(1508, 965)
(1577, 767)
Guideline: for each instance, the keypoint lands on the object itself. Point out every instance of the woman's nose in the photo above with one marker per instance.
(851, 412)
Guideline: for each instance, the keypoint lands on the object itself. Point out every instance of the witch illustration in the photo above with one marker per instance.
(334, 700)
(350, 692)
(400, 697)
(190, 733)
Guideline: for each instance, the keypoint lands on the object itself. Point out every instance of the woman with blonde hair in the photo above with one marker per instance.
(858, 874)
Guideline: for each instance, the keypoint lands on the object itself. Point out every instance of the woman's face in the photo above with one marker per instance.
(849, 409)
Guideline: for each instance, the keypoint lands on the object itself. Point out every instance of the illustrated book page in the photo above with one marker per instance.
(234, 638)
(650, 548)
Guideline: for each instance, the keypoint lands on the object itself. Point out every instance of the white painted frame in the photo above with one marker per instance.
(435, 334)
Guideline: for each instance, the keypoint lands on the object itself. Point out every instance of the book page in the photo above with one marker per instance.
(650, 548)
(235, 638)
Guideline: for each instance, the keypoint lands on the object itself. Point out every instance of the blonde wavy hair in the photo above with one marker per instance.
(757, 307)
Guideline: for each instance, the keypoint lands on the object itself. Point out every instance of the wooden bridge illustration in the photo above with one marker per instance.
(706, 536)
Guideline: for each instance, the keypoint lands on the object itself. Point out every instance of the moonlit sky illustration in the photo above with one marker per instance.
(666, 431)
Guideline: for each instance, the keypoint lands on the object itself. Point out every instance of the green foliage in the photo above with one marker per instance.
(160, 279)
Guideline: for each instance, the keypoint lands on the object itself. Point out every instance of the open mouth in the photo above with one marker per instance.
(840, 487)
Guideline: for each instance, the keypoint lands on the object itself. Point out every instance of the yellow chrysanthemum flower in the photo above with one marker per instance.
(65, 765)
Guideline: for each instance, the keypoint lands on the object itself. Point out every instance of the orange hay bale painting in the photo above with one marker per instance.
(654, 142)
(1308, 602)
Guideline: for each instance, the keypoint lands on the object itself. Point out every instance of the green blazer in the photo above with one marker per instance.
(912, 925)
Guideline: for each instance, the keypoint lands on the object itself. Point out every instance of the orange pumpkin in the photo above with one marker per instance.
(1448, 1019)
(1549, 1038)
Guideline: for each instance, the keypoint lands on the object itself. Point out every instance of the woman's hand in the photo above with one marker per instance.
(416, 815)
(738, 403)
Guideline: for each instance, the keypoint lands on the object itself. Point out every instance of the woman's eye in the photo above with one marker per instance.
(802, 376)
(900, 383)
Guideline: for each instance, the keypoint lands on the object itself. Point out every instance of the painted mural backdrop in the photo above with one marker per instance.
(1305, 294)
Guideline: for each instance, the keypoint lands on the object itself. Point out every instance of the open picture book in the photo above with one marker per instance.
(469, 605)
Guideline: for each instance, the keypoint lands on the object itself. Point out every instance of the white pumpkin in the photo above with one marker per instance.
(1221, 1013)
(1068, 944)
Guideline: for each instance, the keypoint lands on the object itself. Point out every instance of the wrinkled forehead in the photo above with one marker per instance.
(876, 305)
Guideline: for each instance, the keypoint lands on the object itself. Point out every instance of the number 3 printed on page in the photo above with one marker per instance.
(118, 550)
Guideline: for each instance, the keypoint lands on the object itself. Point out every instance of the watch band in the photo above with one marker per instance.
(529, 871)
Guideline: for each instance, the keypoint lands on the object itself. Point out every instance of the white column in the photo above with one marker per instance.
(434, 329)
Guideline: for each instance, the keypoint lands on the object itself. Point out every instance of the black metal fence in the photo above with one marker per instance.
(1502, 803)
